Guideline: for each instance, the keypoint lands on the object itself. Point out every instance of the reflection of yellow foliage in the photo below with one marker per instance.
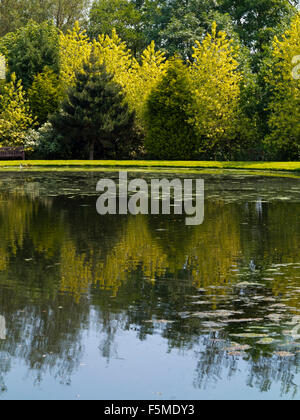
(202, 256)
(135, 249)
(210, 252)
(215, 249)
(15, 214)
(3, 259)
(208, 257)
(16, 221)
(46, 239)
(285, 250)
(76, 272)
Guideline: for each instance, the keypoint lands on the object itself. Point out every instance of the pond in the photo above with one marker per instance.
(145, 307)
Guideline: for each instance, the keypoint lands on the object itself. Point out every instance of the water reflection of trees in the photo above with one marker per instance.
(58, 257)
(47, 338)
(214, 363)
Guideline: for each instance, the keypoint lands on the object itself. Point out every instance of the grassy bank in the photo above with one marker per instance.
(257, 166)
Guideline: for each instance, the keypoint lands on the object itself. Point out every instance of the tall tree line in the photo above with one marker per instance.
(172, 24)
(232, 72)
(64, 13)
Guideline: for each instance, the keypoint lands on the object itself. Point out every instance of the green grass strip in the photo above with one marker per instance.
(260, 166)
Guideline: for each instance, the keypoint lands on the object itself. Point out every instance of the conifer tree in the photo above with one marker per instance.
(169, 134)
(95, 112)
(30, 50)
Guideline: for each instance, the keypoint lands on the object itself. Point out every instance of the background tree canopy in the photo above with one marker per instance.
(256, 20)
(232, 90)
(175, 25)
(63, 13)
(30, 49)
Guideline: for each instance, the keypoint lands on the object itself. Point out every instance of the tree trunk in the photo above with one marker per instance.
(92, 147)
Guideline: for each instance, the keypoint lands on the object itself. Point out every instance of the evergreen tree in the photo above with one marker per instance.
(95, 112)
(169, 135)
(30, 49)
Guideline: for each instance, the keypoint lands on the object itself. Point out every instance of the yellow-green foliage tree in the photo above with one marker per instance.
(114, 53)
(283, 78)
(143, 77)
(45, 95)
(74, 50)
(15, 115)
(216, 80)
(137, 78)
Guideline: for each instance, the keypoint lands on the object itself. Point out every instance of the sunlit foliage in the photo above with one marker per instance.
(283, 78)
(15, 114)
(216, 81)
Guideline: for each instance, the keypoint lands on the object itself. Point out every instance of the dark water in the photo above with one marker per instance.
(124, 307)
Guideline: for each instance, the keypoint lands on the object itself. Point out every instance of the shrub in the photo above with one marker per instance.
(45, 143)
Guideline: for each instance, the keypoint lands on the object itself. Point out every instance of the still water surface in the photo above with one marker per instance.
(124, 307)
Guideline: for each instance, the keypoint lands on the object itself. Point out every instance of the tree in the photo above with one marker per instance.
(169, 135)
(14, 14)
(256, 20)
(30, 49)
(112, 51)
(95, 111)
(10, 16)
(136, 77)
(74, 50)
(188, 21)
(121, 15)
(216, 82)
(15, 115)
(45, 95)
(173, 25)
(141, 79)
(283, 80)
(65, 13)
